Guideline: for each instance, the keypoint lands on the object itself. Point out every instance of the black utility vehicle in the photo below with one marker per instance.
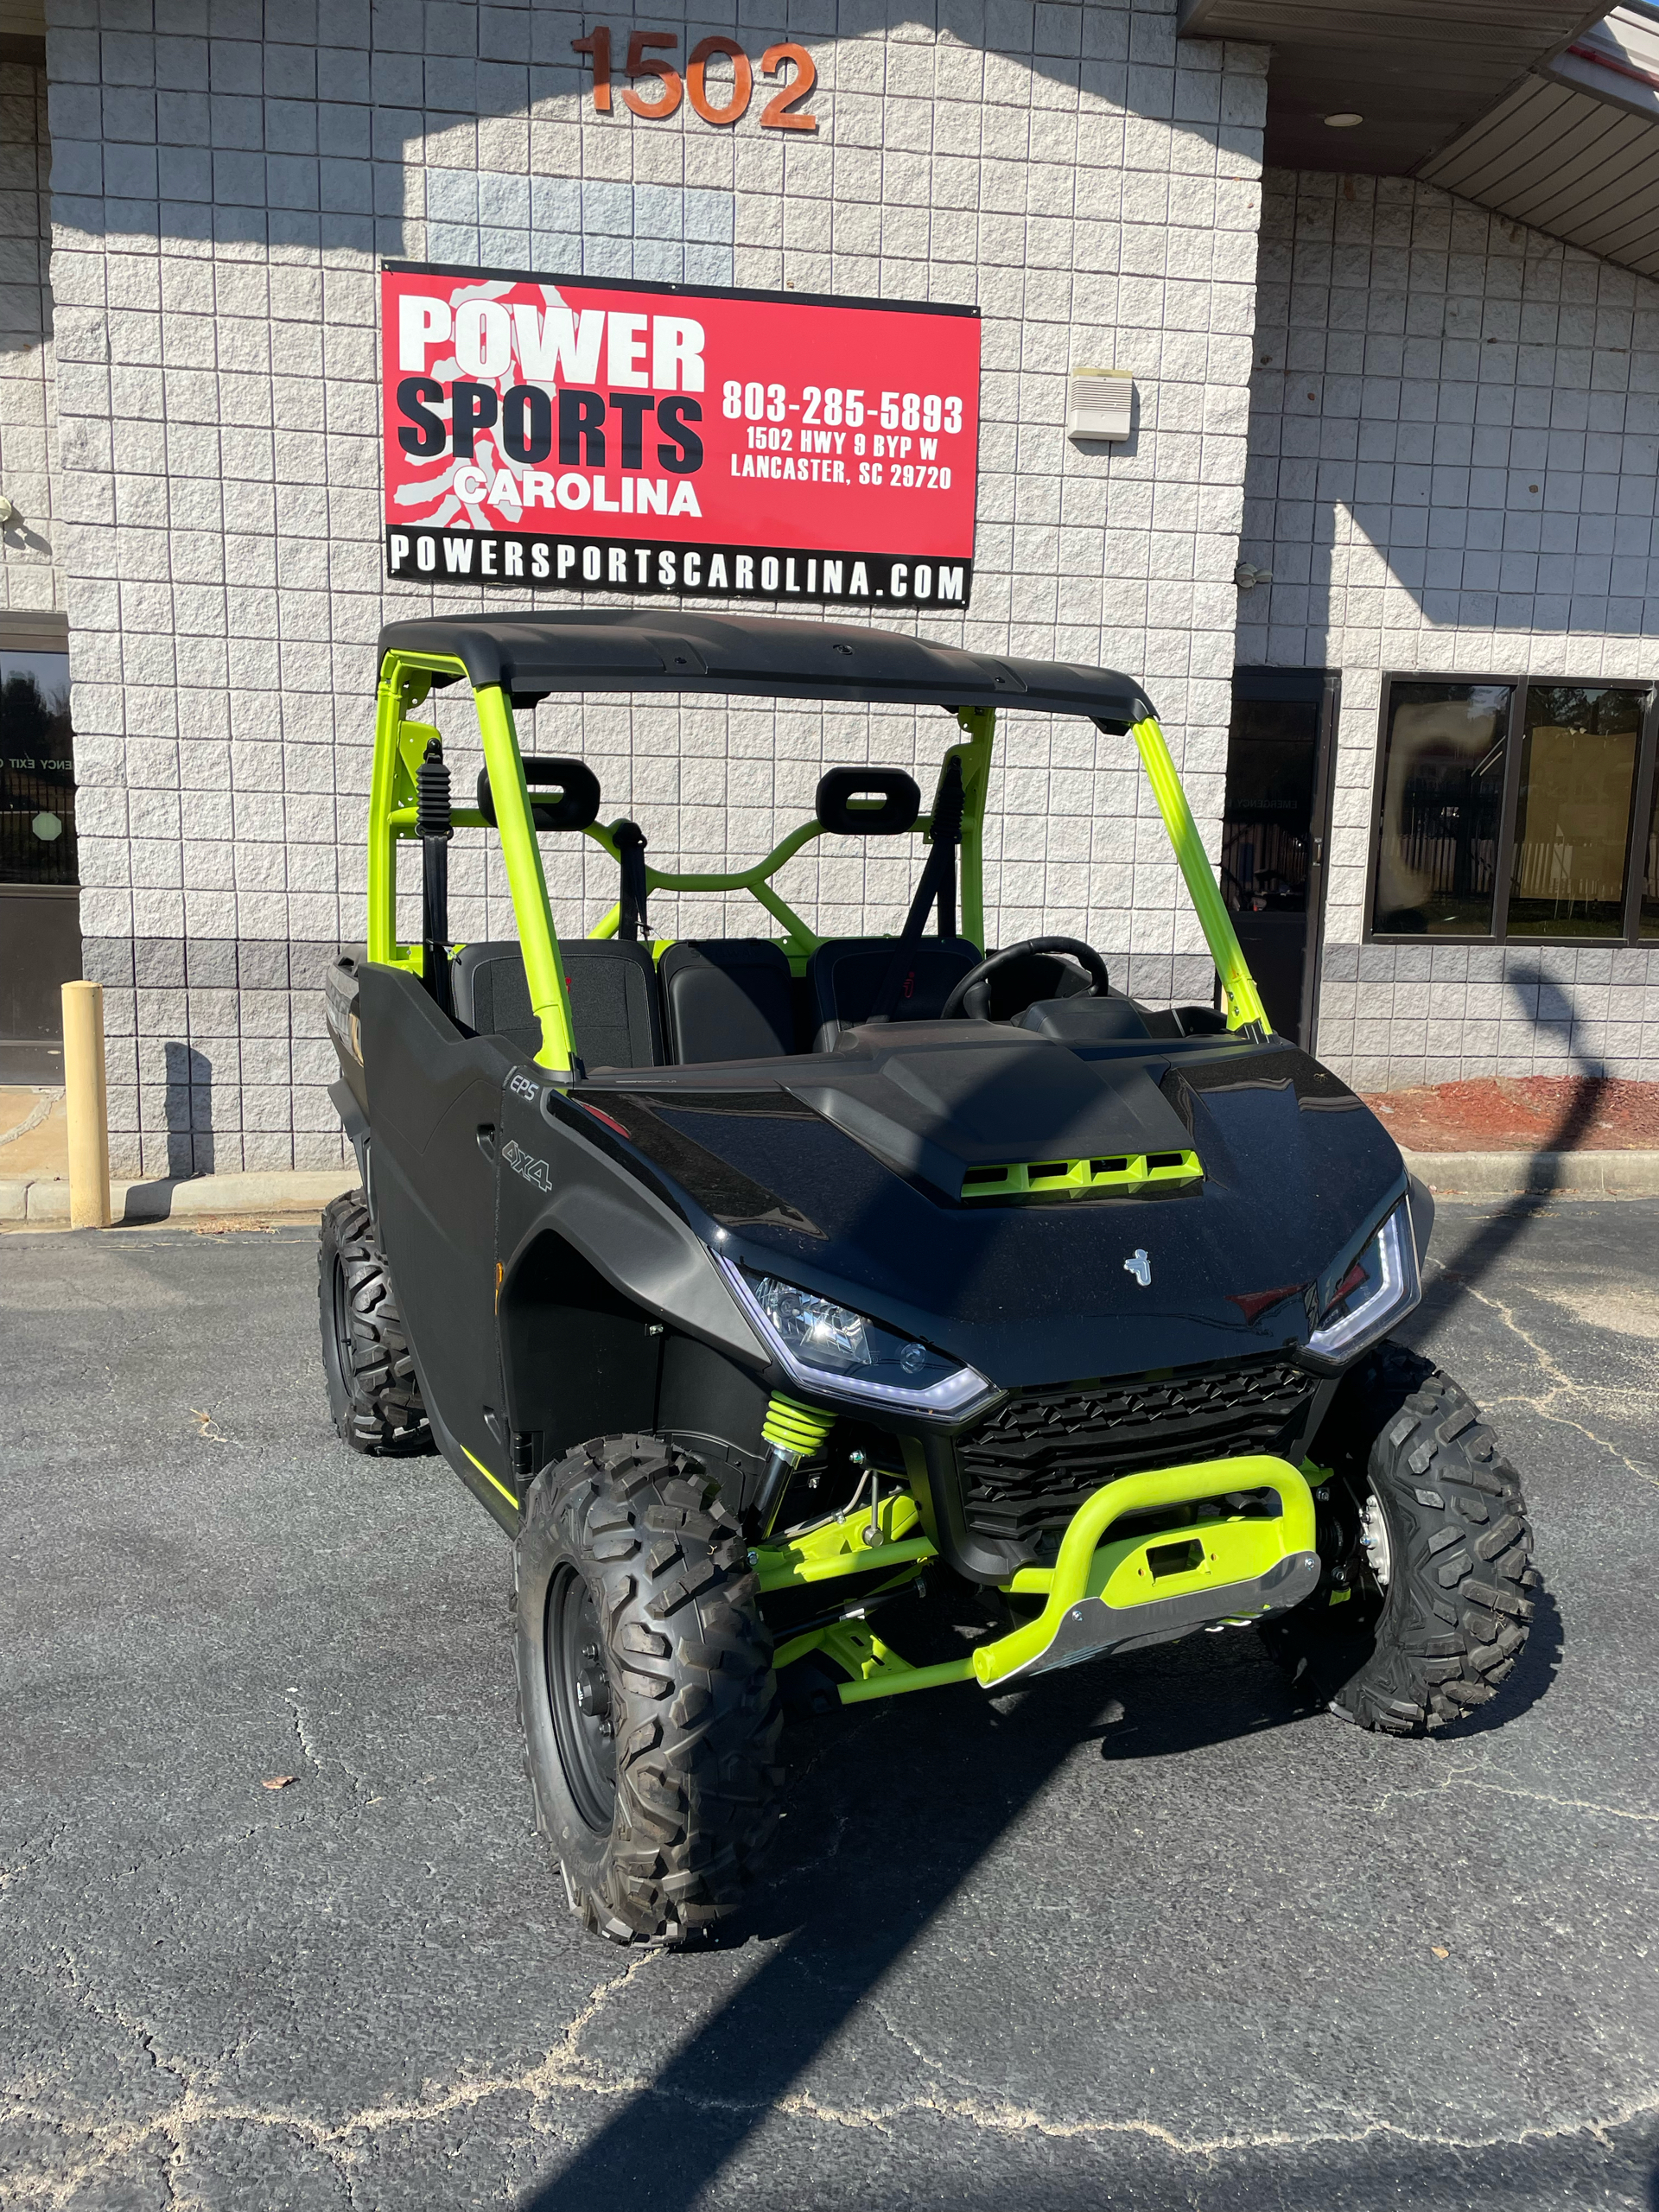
(750, 1281)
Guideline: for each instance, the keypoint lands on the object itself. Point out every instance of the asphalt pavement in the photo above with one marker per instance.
(1141, 1935)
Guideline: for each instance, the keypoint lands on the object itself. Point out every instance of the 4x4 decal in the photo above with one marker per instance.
(520, 1161)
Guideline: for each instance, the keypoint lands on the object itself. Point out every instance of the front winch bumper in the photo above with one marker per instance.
(1100, 1595)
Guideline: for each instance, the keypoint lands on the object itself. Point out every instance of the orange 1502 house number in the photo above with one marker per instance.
(781, 111)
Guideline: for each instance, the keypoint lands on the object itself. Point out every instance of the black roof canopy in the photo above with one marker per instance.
(622, 649)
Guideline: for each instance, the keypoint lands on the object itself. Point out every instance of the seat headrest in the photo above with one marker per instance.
(577, 803)
(845, 797)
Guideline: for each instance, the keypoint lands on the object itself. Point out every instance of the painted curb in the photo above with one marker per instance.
(1516, 1174)
(202, 1198)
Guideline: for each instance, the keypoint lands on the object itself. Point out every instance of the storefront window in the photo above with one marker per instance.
(37, 788)
(1572, 811)
(1549, 792)
(1442, 799)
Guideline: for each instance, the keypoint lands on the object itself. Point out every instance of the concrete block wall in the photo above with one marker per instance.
(1453, 436)
(224, 181)
(29, 574)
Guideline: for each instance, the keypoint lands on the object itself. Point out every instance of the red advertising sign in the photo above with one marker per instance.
(611, 435)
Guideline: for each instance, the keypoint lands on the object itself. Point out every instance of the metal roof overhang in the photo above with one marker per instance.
(1421, 72)
(619, 648)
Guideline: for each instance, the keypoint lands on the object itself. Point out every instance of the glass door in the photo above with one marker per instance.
(1276, 824)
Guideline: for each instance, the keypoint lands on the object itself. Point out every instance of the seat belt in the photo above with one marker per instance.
(435, 828)
(632, 922)
(938, 884)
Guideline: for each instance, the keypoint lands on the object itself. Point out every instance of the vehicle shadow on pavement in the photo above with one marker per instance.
(889, 1821)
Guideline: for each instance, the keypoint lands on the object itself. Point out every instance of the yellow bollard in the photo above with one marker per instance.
(87, 1098)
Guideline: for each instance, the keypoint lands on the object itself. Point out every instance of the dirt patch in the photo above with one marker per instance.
(1534, 1113)
(33, 1133)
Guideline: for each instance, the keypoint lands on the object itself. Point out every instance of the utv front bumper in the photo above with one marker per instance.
(1100, 1595)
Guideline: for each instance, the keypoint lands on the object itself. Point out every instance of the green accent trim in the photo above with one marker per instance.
(1230, 1550)
(1243, 1001)
(1068, 1580)
(490, 1478)
(843, 1547)
(1130, 1172)
(877, 1670)
(800, 942)
(794, 1427)
(405, 680)
(382, 854)
(979, 722)
(404, 818)
(543, 969)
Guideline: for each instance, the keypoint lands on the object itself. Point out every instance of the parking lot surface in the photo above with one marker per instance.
(1144, 1935)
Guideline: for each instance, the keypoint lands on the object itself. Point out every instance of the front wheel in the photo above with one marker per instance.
(1421, 1608)
(645, 1690)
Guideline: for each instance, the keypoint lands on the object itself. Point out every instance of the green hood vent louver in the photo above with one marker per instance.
(1124, 1174)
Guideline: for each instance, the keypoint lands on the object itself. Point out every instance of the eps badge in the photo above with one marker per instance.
(1139, 1265)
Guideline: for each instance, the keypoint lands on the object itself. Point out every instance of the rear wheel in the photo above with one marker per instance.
(645, 1690)
(1422, 1609)
(373, 1396)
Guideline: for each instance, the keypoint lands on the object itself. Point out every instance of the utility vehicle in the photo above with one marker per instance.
(752, 1282)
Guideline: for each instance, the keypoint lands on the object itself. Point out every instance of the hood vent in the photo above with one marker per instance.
(1119, 1175)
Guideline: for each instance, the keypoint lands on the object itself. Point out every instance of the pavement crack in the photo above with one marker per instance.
(1565, 1384)
(1505, 1790)
(301, 1733)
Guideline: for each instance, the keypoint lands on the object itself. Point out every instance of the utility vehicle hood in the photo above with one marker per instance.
(846, 1173)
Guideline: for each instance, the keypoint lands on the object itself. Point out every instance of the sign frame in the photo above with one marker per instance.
(929, 566)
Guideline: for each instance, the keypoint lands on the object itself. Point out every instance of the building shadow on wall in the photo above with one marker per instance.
(189, 1112)
(1350, 537)
(273, 198)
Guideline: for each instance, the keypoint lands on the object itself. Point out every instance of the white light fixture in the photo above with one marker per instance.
(1346, 121)
(1099, 404)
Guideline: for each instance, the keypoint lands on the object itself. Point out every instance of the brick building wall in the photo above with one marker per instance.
(29, 577)
(1454, 435)
(219, 201)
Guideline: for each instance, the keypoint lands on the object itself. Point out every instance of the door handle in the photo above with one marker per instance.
(487, 1139)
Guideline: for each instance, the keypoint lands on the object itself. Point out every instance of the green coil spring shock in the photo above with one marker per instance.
(794, 1432)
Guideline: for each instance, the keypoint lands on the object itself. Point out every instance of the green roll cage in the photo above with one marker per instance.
(399, 744)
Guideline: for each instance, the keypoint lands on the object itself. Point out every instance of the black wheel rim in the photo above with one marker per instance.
(340, 1336)
(580, 1693)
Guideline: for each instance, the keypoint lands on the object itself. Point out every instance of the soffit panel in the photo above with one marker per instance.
(1567, 163)
(1419, 71)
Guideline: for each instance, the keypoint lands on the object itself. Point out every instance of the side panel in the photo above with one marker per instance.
(434, 1104)
(579, 1360)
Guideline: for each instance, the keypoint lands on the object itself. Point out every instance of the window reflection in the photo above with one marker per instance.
(37, 785)
(1442, 796)
(1647, 861)
(1572, 813)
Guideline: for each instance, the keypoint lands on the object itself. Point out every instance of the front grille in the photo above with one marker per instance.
(1030, 1465)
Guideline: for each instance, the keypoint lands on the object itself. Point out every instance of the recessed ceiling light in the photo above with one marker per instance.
(1343, 122)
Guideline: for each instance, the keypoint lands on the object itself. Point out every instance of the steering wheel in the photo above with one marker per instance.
(977, 982)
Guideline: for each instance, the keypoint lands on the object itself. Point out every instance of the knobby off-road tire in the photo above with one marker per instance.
(1444, 1627)
(373, 1396)
(645, 1691)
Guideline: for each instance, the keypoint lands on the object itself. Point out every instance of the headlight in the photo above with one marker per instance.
(1381, 1285)
(841, 1353)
